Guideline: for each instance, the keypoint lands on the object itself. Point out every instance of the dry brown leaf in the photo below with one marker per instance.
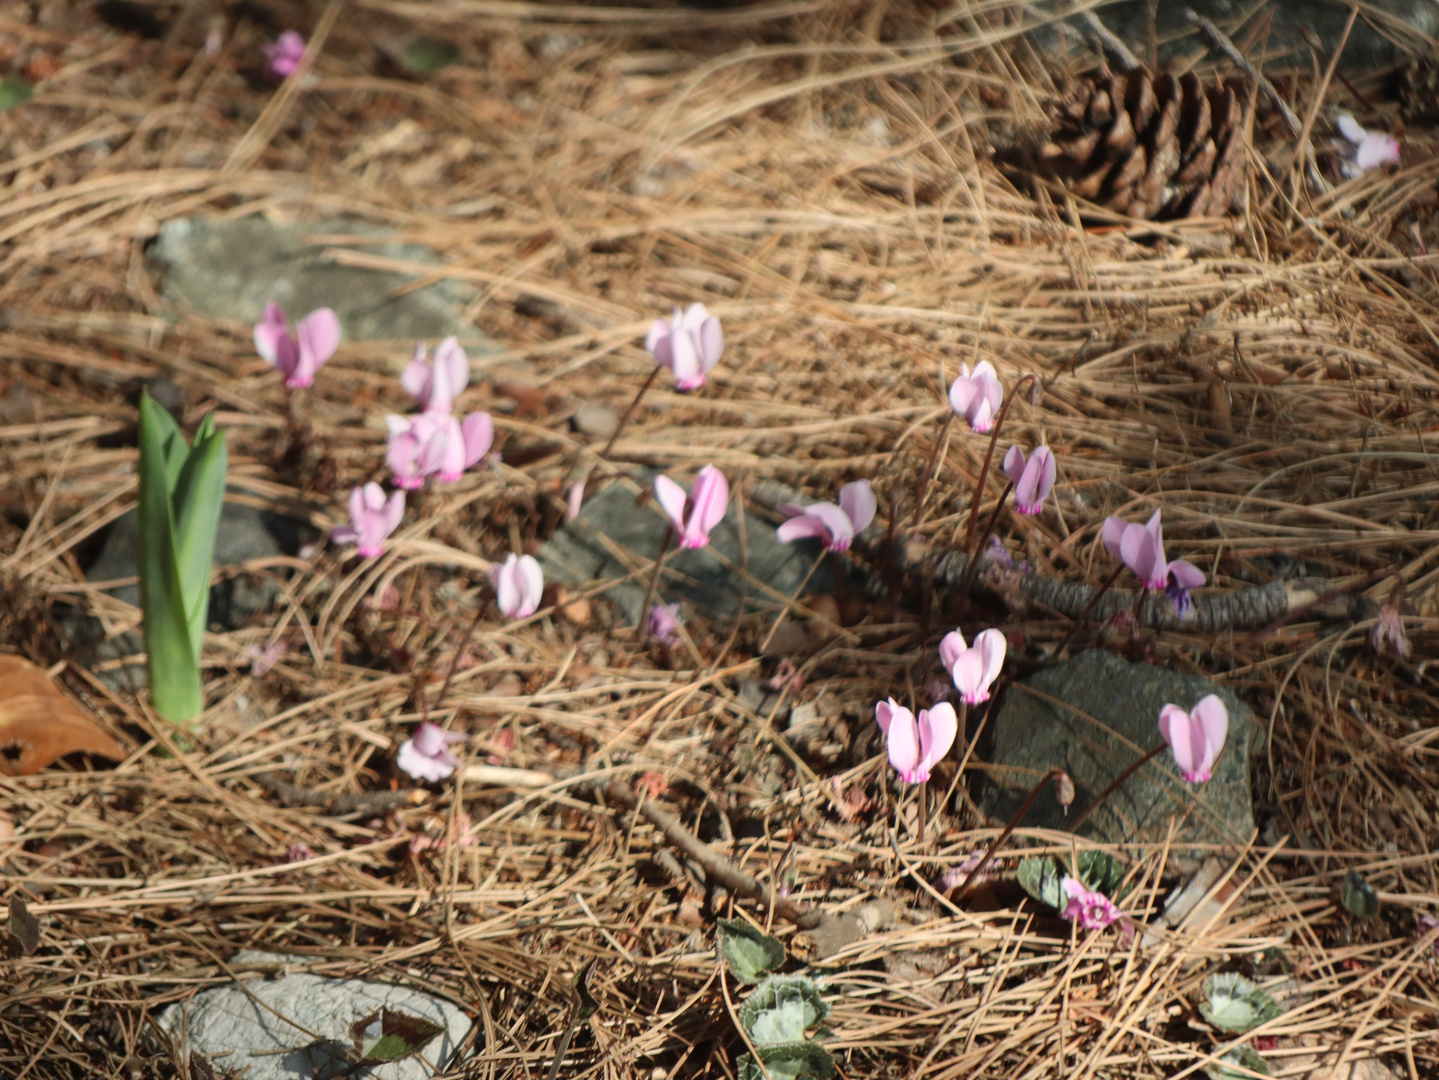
(39, 724)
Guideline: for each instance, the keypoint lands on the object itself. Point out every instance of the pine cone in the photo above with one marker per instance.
(1151, 146)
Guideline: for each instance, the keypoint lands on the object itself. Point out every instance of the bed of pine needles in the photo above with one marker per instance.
(820, 175)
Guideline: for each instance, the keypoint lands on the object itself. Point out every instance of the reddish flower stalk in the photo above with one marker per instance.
(989, 457)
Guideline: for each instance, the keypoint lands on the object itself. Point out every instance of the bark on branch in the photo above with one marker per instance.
(1242, 609)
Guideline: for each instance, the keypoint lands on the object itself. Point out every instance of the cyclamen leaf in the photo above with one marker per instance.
(794, 1002)
(793, 1061)
(1233, 1003)
(389, 1035)
(1040, 877)
(1358, 896)
(588, 1006)
(1101, 872)
(749, 952)
(1243, 1056)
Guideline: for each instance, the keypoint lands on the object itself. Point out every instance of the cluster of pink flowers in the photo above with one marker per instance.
(435, 442)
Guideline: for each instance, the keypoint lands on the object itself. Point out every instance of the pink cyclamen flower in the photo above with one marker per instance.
(437, 385)
(426, 754)
(372, 518)
(1388, 632)
(518, 583)
(438, 444)
(836, 525)
(1196, 737)
(301, 354)
(915, 745)
(708, 498)
(285, 54)
(689, 344)
(1428, 923)
(1033, 477)
(1091, 909)
(1141, 548)
(976, 396)
(665, 623)
(1370, 150)
(973, 667)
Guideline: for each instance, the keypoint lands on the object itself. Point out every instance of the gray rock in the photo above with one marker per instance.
(276, 1028)
(1109, 716)
(710, 578)
(231, 269)
(1366, 50)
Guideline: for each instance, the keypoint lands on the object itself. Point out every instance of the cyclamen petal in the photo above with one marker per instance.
(709, 498)
(915, 746)
(974, 669)
(689, 344)
(373, 517)
(519, 584)
(857, 500)
(426, 755)
(1091, 909)
(976, 396)
(835, 524)
(298, 356)
(1033, 478)
(1195, 738)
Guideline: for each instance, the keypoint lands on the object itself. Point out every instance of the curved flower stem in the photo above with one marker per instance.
(455, 660)
(644, 624)
(798, 589)
(1053, 774)
(923, 808)
(974, 561)
(635, 404)
(988, 457)
(929, 469)
(1114, 785)
(1079, 621)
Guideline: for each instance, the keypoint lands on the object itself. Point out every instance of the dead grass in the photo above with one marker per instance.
(819, 178)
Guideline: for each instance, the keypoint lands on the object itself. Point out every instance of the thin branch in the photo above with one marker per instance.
(1106, 38)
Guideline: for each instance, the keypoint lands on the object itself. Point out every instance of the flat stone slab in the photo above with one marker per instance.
(711, 579)
(1094, 715)
(277, 1028)
(230, 269)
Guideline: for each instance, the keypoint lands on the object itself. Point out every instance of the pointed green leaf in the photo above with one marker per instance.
(1233, 1003)
(588, 1006)
(1242, 1055)
(749, 952)
(175, 688)
(1040, 877)
(198, 501)
(1358, 896)
(167, 435)
(389, 1035)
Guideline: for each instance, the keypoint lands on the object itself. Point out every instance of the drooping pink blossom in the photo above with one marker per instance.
(1090, 908)
(708, 498)
(665, 623)
(372, 518)
(689, 344)
(1369, 149)
(976, 396)
(1195, 737)
(426, 754)
(915, 745)
(1141, 548)
(301, 354)
(437, 385)
(1388, 632)
(518, 583)
(285, 54)
(973, 667)
(1033, 477)
(263, 658)
(836, 525)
